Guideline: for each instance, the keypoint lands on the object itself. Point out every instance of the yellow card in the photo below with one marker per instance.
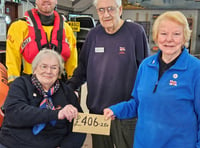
(91, 123)
(75, 26)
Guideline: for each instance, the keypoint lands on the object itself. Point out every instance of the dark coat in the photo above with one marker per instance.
(22, 112)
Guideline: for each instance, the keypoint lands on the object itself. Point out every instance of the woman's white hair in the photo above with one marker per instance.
(47, 52)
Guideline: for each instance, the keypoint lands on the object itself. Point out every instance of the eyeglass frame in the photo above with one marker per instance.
(44, 67)
(109, 9)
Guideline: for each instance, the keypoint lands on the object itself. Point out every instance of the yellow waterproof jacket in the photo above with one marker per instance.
(17, 32)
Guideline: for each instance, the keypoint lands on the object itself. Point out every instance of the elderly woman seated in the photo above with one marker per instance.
(39, 108)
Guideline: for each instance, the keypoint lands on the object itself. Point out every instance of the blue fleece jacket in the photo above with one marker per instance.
(168, 117)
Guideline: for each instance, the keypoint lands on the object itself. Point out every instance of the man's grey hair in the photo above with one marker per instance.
(118, 2)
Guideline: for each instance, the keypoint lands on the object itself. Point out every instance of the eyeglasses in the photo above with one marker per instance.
(110, 10)
(45, 67)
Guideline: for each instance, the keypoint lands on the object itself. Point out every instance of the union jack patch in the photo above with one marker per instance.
(122, 50)
(173, 83)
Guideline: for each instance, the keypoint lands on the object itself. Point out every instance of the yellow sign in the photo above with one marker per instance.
(91, 123)
(75, 26)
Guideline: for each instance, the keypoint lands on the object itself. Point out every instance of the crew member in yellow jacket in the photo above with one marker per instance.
(41, 27)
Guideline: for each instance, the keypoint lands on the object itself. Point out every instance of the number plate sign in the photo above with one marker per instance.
(91, 123)
(75, 26)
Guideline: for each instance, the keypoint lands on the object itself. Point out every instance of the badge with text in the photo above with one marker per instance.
(99, 49)
(91, 123)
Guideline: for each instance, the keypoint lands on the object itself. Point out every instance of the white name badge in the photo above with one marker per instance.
(99, 49)
(91, 123)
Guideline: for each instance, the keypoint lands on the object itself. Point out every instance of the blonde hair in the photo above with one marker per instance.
(177, 17)
(47, 52)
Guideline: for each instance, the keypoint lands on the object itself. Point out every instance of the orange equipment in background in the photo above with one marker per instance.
(3, 87)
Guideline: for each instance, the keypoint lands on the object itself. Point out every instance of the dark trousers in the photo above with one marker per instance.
(121, 135)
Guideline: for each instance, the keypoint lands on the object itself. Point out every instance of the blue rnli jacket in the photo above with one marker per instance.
(170, 116)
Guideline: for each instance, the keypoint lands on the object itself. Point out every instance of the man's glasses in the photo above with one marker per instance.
(45, 67)
(110, 10)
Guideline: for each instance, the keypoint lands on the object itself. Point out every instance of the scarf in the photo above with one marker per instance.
(46, 103)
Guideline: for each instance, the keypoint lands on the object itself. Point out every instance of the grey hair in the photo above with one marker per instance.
(46, 52)
(118, 2)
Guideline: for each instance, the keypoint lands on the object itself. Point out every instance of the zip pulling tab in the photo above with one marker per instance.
(155, 88)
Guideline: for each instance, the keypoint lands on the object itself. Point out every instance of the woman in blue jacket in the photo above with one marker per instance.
(166, 96)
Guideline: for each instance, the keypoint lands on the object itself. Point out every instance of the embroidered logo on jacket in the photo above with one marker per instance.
(173, 83)
(122, 50)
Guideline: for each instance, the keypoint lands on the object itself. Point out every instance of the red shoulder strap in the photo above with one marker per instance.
(36, 30)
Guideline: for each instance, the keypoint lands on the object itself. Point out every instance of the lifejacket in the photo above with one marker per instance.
(37, 39)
